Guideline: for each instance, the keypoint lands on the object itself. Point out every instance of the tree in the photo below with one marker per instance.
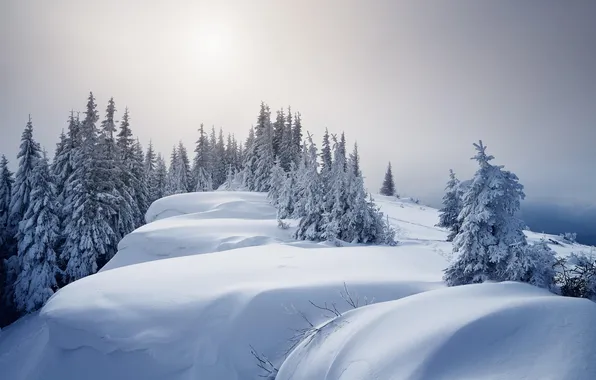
(7, 248)
(37, 238)
(150, 174)
(286, 200)
(326, 158)
(491, 243)
(388, 187)
(297, 137)
(202, 180)
(141, 190)
(448, 214)
(286, 157)
(250, 161)
(278, 132)
(276, 183)
(62, 167)
(88, 233)
(311, 224)
(263, 149)
(28, 155)
(161, 177)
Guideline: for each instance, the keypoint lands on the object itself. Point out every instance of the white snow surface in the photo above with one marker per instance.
(211, 274)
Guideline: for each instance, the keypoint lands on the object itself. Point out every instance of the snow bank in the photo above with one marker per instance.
(196, 316)
(488, 331)
(213, 205)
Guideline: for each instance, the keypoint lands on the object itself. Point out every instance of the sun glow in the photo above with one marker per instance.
(211, 43)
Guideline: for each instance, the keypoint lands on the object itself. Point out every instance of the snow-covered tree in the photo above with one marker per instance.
(264, 149)
(7, 244)
(286, 157)
(62, 167)
(388, 187)
(278, 132)
(140, 186)
(28, 156)
(286, 200)
(491, 244)
(150, 173)
(326, 157)
(277, 180)
(452, 205)
(37, 238)
(250, 161)
(161, 177)
(311, 225)
(202, 180)
(296, 137)
(88, 231)
(6, 183)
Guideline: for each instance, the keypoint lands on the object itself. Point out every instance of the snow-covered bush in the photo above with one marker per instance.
(576, 275)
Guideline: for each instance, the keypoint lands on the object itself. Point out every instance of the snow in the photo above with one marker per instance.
(488, 331)
(211, 274)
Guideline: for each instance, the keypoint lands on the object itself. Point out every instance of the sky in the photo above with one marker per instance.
(413, 82)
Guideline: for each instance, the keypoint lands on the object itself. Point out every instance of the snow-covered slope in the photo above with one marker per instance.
(489, 331)
(211, 274)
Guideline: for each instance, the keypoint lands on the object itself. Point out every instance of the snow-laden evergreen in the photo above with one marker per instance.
(452, 205)
(388, 187)
(7, 245)
(161, 177)
(29, 154)
(250, 161)
(140, 185)
(491, 245)
(150, 173)
(277, 180)
(296, 137)
(37, 240)
(278, 133)
(88, 231)
(310, 206)
(264, 149)
(63, 163)
(201, 176)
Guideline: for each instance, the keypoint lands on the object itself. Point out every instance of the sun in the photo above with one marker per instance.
(211, 43)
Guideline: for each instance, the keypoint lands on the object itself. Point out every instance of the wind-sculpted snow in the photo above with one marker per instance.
(487, 331)
(212, 274)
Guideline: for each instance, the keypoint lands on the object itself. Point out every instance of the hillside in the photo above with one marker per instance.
(211, 275)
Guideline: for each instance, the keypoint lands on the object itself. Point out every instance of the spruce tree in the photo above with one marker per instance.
(183, 175)
(491, 244)
(219, 161)
(264, 149)
(202, 179)
(62, 167)
(448, 214)
(297, 138)
(7, 244)
(277, 180)
(326, 158)
(286, 200)
(150, 173)
(37, 239)
(311, 225)
(88, 231)
(161, 177)
(278, 132)
(250, 161)
(141, 190)
(128, 162)
(285, 154)
(172, 179)
(388, 187)
(28, 155)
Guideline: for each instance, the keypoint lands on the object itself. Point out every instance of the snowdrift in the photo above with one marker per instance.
(487, 331)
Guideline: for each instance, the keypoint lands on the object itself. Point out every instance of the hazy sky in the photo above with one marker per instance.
(414, 82)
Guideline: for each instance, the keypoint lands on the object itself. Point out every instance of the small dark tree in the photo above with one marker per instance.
(451, 207)
(388, 187)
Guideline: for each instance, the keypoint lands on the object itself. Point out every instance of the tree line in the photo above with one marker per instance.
(62, 219)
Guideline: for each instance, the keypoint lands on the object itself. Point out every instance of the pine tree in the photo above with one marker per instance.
(388, 187)
(491, 243)
(28, 155)
(326, 158)
(250, 161)
(286, 157)
(276, 183)
(286, 200)
(150, 174)
(297, 138)
(311, 225)
(336, 192)
(201, 176)
(219, 161)
(172, 180)
(62, 167)
(183, 170)
(278, 131)
(448, 214)
(37, 238)
(161, 177)
(88, 233)
(264, 149)
(7, 244)
(141, 190)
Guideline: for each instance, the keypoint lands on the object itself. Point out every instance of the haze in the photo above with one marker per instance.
(414, 82)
